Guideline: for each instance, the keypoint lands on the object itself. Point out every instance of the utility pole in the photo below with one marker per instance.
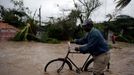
(40, 16)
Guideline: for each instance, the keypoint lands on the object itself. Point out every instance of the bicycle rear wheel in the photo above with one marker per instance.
(58, 65)
(88, 66)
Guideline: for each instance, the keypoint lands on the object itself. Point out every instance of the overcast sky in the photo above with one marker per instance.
(49, 8)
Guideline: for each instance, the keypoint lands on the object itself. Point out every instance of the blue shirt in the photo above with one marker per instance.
(93, 43)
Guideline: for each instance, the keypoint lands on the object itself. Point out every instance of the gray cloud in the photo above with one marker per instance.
(49, 8)
(6, 3)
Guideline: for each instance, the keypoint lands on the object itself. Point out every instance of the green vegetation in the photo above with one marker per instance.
(64, 28)
(122, 27)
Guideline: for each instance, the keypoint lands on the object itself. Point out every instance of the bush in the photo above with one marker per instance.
(52, 40)
(110, 46)
(44, 38)
(126, 38)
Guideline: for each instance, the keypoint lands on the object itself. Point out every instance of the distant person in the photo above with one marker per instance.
(113, 37)
(95, 44)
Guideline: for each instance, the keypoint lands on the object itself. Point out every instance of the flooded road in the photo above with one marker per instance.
(29, 58)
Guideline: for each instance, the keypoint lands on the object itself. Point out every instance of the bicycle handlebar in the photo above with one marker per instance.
(69, 48)
(69, 45)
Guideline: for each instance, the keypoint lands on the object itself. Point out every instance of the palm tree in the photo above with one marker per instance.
(122, 3)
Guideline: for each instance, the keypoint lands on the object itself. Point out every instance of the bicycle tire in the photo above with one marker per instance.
(67, 64)
(87, 65)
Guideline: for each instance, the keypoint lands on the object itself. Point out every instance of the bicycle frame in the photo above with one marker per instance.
(80, 69)
(68, 59)
(69, 62)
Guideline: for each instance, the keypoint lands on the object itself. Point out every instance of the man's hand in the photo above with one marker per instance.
(72, 41)
(77, 49)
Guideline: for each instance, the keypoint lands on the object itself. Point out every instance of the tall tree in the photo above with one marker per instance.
(86, 7)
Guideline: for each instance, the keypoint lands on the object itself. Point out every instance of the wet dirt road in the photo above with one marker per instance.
(29, 58)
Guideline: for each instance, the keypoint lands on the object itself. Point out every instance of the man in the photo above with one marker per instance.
(95, 44)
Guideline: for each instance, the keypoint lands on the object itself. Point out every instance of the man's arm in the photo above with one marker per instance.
(81, 41)
(91, 45)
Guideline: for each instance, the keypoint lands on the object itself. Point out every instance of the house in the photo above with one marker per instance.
(7, 31)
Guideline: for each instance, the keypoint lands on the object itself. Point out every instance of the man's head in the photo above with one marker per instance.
(87, 25)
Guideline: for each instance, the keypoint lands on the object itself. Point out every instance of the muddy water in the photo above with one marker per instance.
(29, 58)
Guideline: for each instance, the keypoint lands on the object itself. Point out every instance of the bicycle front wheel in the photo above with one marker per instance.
(58, 65)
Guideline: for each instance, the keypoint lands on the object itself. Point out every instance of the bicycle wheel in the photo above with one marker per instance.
(56, 65)
(88, 66)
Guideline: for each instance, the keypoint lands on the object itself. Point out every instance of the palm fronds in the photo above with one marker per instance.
(122, 3)
(22, 34)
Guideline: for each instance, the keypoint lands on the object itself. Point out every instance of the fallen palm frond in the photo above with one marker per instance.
(22, 34)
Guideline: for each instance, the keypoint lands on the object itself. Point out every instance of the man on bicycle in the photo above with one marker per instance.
(95, 44)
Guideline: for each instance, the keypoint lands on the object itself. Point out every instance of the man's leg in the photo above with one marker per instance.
(100, 63)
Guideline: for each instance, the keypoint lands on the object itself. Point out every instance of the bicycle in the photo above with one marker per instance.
(66, 63)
